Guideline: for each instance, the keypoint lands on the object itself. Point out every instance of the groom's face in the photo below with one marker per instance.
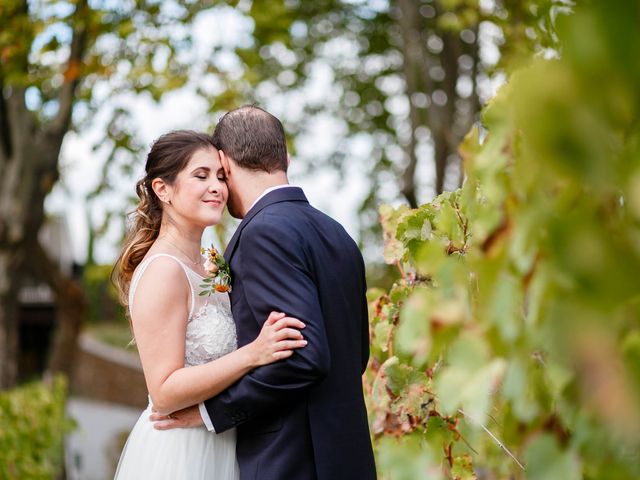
(233, 205)
(233, 202)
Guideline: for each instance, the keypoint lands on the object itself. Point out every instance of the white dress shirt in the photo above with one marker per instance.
(203, 410)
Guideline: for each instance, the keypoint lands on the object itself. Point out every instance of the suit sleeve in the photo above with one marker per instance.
(276, 276)
(365, 336)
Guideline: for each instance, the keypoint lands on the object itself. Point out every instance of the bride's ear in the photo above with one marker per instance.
(162, 190)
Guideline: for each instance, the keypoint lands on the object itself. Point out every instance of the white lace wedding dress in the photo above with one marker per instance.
(189, 453)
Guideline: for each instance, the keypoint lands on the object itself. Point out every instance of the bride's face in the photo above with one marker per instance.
(199, 193)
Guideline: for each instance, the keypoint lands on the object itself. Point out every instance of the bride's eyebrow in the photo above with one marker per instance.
(197, 169)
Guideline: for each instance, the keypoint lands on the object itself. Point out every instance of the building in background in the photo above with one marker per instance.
(37, 301)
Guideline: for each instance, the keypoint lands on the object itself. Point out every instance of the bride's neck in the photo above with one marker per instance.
(186, 239)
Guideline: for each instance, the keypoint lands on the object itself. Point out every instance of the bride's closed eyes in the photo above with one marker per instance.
(203, 173)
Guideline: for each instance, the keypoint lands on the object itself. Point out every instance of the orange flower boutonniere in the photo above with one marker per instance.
(219, 274)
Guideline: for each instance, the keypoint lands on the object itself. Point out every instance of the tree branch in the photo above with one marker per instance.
(14, 62)
(72, 75)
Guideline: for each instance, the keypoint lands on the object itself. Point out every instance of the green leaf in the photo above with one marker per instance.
(463, 468)
(506, 310)
(394, 250)
(545, 460)
(413, 336)
(469, 379)
(381, 334)
(517, 388)
(397, 374)
(409, 458)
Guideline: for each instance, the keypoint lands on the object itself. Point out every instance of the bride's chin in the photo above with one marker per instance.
(213, 220)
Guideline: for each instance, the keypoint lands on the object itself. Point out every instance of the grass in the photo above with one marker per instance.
(114, 334)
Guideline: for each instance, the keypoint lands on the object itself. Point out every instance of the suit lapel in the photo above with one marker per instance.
(287, 194)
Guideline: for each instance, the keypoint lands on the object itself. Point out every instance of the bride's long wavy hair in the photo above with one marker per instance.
(168, 156)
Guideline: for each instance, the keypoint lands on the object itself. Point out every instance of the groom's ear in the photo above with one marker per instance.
(224, 161)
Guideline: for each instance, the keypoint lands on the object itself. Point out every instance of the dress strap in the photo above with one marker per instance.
(137, 275)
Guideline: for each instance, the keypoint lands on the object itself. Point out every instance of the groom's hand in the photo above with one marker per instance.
(186, 418)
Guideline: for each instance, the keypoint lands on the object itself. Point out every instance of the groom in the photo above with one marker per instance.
(303, 417)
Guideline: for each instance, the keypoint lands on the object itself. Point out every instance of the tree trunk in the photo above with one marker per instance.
(29, 152)
(8, 321)
(446, 141)
(440, 119)
(71, 310)
(17, 205)
(26, 178)
(415, 69)
(21, 217)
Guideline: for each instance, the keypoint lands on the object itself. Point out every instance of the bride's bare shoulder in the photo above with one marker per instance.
(161, 284)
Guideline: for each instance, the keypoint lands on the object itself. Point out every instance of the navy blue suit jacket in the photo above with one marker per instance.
(303, 417)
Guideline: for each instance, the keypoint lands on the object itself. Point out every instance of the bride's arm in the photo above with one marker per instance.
(159, 317)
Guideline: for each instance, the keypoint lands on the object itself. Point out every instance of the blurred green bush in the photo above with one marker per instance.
(32, 429)
(101, 295)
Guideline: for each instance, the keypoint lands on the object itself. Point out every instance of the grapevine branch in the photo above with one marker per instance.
(465, 226)
(500, 444)
(399, 265)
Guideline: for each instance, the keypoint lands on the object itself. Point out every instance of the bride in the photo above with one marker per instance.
(183, 329)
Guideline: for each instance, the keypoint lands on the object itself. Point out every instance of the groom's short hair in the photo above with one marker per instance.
(253, 138)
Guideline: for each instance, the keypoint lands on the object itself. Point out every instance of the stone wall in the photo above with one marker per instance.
(108, 374)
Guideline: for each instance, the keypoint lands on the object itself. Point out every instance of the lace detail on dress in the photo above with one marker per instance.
(211, 331)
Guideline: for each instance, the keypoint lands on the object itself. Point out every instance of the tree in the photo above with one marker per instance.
(408, 76)
(512, 340)
(60, 62)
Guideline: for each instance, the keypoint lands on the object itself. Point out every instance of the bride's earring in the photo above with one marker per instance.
(161, 190)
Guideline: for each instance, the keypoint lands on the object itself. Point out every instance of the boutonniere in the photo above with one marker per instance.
(219, 274)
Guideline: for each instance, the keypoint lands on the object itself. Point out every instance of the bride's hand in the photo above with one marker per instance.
(278, 338)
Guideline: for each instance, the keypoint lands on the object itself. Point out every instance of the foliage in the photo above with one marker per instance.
(516, 314)
(401, 81)
(101, 294)
(64, 65)
(32, 428)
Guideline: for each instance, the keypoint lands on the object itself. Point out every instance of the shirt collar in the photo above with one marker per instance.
(268, 190)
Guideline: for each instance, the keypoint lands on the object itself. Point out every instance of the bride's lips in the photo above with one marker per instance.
(215, 203)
